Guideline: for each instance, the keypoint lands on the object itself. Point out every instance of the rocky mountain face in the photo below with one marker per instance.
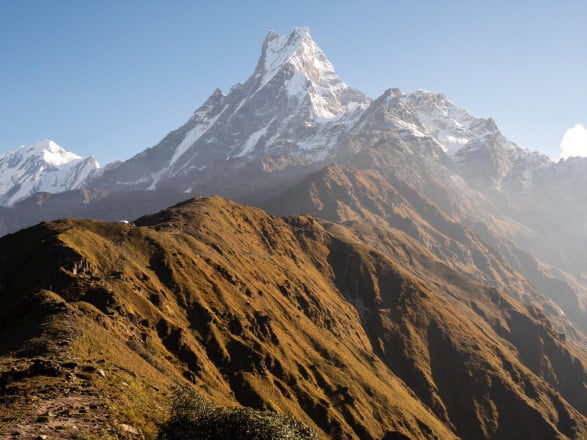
(294, 106)
(288, 314)
(42, 167)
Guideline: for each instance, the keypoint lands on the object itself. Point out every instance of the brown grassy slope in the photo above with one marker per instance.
(209, 291)
(346, 194)
(467, 357)
(368, 196)
(287, 315)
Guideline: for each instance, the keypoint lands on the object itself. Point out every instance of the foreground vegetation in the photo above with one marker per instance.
(195, 418)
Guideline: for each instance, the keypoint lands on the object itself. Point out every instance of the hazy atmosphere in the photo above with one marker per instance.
(111, 78)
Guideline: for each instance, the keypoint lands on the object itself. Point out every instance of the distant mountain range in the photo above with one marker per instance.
(294, 116)
(42, 167)
(455, 248)
(293, 111)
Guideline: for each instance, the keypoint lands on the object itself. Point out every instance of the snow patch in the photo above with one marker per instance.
(297, 85)
(192, 136)
(249, 146)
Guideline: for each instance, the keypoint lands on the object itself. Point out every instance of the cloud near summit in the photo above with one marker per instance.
(574, 142)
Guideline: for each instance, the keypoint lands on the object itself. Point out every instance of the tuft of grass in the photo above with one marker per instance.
(148, 353)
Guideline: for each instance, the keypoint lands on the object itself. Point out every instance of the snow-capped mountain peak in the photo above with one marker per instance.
(278, 49)
(297, 49)
(51, 153)
(452, 126)
(297, 60)
(292, 105)
(296, 110)
(42, 166)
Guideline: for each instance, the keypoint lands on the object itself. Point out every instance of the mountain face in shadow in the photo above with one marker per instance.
(291, 314)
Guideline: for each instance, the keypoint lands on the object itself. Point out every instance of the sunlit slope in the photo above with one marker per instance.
(383, 203)
(219, 295)
(287, 314)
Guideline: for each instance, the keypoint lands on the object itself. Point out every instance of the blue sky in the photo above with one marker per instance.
(111, 78)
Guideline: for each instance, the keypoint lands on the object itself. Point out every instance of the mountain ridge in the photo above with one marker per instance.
(261, 139)
(305, 112)
(367, 198)
(230, 298)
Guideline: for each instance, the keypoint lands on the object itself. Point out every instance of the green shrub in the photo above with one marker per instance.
(195, 418)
